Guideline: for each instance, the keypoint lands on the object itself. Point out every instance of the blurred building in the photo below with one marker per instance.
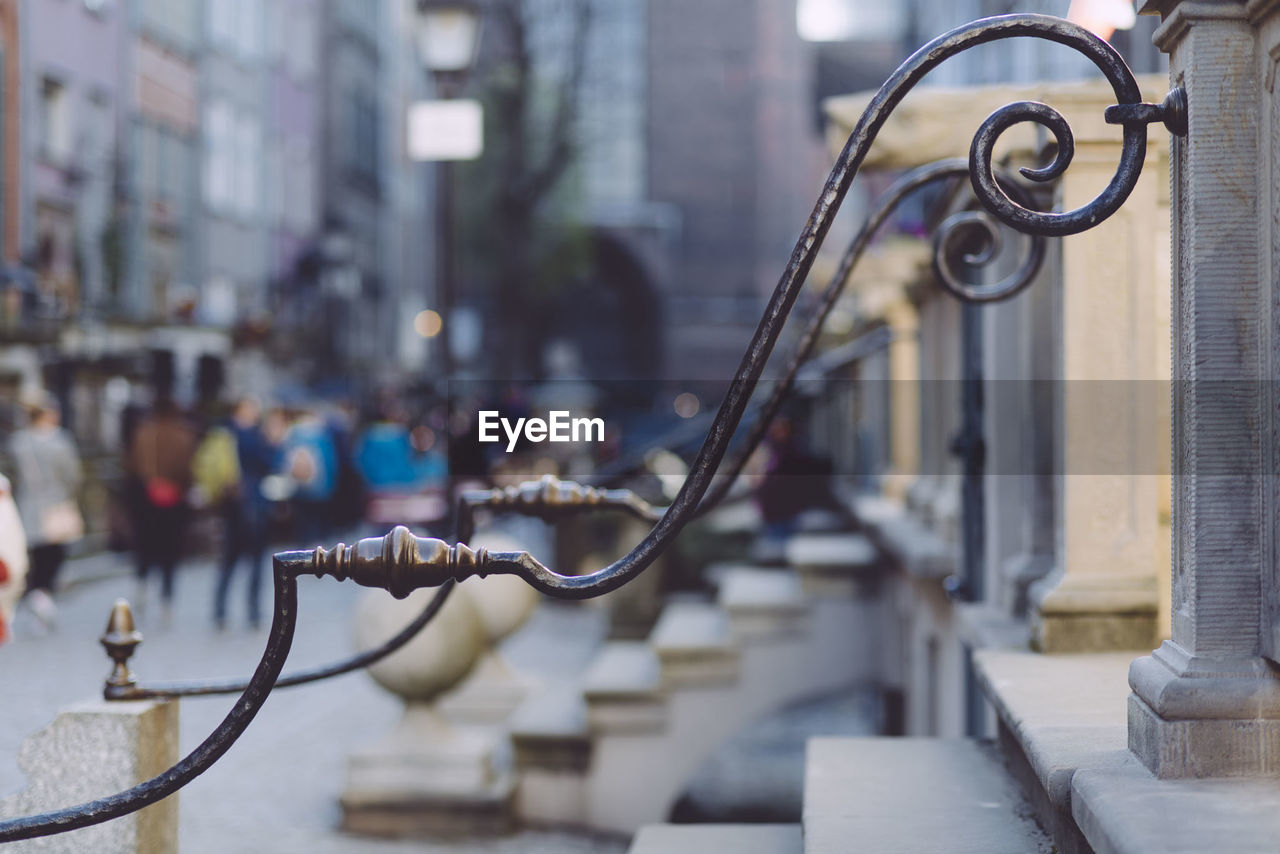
(176, 153)
(733, 149)
(697, 157)
(194, 203)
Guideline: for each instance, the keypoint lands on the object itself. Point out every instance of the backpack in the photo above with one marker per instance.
(216, 465)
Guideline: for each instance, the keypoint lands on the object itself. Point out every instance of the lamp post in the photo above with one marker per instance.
(448, 35)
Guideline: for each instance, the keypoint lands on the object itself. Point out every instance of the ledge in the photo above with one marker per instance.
(918, 550)
(694, 645)
(763, 603)
(623, 689)
(927, 127)
(549, 731)
(981, 625)
(1064, 728)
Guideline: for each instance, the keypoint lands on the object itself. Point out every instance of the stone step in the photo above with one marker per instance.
(827, 564)
(549, 730)
(552, 748)
(906, 795)
(694, 645)
(821, 521)
(709, 838)
(740, 517)
(623, 689)
(762, 603)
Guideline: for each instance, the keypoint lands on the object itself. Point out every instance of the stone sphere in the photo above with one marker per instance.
(437, 658)
(504, 602)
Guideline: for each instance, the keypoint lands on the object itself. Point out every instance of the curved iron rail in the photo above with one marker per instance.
(549, 499)
(952, 280)
(401, 562)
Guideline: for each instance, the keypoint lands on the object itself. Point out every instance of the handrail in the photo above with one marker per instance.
(401, 562)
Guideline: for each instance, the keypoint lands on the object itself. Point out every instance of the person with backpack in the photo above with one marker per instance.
(240, 456)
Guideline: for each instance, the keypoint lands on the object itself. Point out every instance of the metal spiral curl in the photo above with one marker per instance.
(1129, 112)
(949, 255)
(883, 207)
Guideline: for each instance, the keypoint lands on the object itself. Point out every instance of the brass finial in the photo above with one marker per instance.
(120, 639)
(399, 562)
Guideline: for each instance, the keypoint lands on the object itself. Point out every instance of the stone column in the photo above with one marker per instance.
(1103, 592)
(882, 282)
(1207, 702)
(1021, 362)
(904, 397)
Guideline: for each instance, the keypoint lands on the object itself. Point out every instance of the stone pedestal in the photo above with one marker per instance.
(489, 696)
(494, 689)
(428, 776)
(93, 750)
(1207, 702)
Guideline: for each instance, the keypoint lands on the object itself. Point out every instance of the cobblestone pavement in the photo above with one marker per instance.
(277, 789)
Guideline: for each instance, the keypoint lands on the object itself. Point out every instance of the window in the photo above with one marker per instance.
(100, 129)
(173, 180)
(222, 22)
(248, 149)
(300, 48)
(299, 182)
(55, 120)
(363, 130)
(250, 29)
(233, 160)
(176, 21)
(219, 163)
(234, 26)
(273, 183)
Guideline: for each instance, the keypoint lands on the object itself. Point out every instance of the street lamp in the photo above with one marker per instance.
(448, 35)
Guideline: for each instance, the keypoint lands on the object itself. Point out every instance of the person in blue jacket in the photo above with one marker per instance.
(246, 510)
(310, 461)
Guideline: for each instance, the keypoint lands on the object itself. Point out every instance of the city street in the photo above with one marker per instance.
(277, 789)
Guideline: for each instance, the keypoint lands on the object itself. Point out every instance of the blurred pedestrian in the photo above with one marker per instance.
(13, 557)
(350, 498)
(311, 462)
(795, 480)
(385, 455)
(245, 509)
(160, 457)
(48, 479)
(780, 499)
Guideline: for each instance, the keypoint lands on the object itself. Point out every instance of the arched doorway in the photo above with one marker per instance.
(612, 318)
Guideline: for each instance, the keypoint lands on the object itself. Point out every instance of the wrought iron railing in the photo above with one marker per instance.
(401, 562)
